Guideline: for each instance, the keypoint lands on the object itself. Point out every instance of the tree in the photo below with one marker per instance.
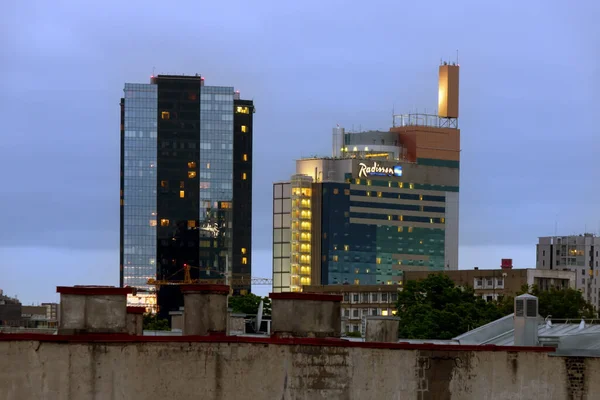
(151, 322)
(434, 308)
(248, 304)
(558, 303)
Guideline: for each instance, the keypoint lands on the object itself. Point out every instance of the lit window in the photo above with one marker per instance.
(152, 222)
(400, 185)
(389, 217)
(385, 312)
(411, 185)
(207, 165)
(410, 229)
(191, 174)
(181, 185)
(378, 260)
(245, 157)
(400, 228)
(356, 270)
(191, 165)
(244, 128)
(335, 191)
(379, 194)
(401, 218)
(389, 184)
(358, 181)
(335, 258)
(181, 194)
(368, 270)
(191, 223)
(443, 220)
(368, 194)
(368, 182)
(165, 115)
(243, 250)
(242, 110)
(431, 220)
(347, 192)
(420, 197)
(244, 176)
(357, 281)
(346, 247)
(164, 184)
(164, 222)
(244, 260)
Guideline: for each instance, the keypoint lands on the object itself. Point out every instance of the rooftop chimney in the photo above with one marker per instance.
(526, 320)
(205, 309)
(382, 329)
(306, 315)
(93, 309)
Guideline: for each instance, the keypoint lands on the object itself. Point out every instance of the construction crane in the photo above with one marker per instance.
(187, 279)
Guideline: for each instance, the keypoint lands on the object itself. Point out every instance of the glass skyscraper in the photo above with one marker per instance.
(186, 185)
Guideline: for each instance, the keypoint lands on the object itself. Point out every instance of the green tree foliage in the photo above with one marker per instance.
(559, 303)
(248, 304)
(434, 308)
(153, 323)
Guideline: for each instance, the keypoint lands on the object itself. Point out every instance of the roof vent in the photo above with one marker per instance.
(526, 320)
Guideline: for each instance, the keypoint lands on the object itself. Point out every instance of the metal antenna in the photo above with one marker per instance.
(153, 69)
(456, 56)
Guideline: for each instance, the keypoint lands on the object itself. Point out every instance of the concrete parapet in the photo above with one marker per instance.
(306, 315)
(92, 309)
(135, 320)
(382, 329)
(205, 309)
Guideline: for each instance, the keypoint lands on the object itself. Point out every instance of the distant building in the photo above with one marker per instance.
(578, 253)
(10, 310)
(360, 301)
(52, 311)
(494, 284)
(186, 186)
(384, 202)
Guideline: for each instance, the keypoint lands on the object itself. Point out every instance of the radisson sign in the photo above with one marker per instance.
(377, 169)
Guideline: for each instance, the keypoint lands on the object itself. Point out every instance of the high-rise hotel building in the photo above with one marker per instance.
(186, 185)
(384, 202)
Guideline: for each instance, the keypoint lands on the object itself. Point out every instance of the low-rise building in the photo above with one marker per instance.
(360, 301)
(494, 284)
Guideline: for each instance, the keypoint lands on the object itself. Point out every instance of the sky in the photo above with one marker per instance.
(530, 74)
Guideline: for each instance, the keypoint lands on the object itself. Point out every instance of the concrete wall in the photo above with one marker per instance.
(185, 368)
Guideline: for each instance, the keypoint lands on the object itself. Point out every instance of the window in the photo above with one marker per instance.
(355, 298)
(410, 229)
(346, 247)
(379, 194)
(244, 176)
(500, 282)
(544, 253)
(164, 184)
(394, 297)
(335, 258)
(378, 260)
(191, 223)
(181, 185)
(346, 297)
(374, 297)
(242, 110)
(346, 312)
(411, 185)
(244, 128)
(244, 260)
(165, 115)
(384, 297)
(245, 157)
(355, 313)
(164, 222)
(191, 165)
(336, 191)
(373, 311)
(152, 222)
(191, 174)
(357, 282)
(543, 263)
(347, 192)
(355, 328)
(384, 312)
(243, 250)
(181, 194)
(365, 297)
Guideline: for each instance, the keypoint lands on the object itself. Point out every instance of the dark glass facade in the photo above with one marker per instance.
(179, 205)
(361, 241)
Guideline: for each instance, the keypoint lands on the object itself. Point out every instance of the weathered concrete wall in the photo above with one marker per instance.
(96, 313)
(306, 315)
(269, 369)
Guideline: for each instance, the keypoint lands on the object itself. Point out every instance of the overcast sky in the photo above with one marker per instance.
(529, 128)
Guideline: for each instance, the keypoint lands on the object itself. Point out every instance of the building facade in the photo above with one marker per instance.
(384, 202)
(577, 253)
(494, 284)
(359, 302)
(186, 185)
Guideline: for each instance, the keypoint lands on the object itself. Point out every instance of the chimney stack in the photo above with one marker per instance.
(135, 320)
(205, 309)
(526, 320)
(92, 309)
(382, 329)
(296, 314)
